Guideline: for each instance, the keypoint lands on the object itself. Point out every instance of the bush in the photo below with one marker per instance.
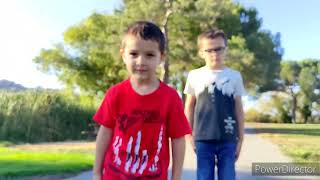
(36, 116)
(252, 115)
(273, 107)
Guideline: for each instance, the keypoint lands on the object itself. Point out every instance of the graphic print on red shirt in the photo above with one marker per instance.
(142, 126)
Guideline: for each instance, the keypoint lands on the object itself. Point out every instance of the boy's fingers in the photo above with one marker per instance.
(237, 156)
(193, 145)
(194, 148)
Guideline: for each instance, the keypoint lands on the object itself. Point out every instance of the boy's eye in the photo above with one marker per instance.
(150, 55)
(217, 50)
(133, 53)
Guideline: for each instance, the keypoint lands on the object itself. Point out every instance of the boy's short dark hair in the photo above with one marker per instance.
(147, 31)
(211, 34)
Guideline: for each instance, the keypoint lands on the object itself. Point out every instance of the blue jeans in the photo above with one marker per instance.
(215, 153)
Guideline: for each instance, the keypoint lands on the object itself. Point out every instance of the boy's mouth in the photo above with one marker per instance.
(140, 70)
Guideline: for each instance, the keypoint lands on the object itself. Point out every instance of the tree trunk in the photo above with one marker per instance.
(294, 107)
(165, 67)
(183, 82)
(305, 121)
(306, 113)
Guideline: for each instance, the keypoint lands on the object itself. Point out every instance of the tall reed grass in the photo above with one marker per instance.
(37, 116)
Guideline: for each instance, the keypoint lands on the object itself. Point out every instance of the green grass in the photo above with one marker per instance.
(301, 142)
(16, 162)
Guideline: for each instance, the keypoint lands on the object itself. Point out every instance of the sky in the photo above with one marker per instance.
(296, 20)
(27, 26)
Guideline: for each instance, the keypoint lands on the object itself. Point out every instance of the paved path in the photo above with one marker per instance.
(255, 149)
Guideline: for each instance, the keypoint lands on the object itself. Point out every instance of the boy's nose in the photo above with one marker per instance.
(140, 60)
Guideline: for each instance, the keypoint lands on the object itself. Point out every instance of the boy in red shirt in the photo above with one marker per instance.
(140, 114)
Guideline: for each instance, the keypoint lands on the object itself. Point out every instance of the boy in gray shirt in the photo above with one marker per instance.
(214, 109)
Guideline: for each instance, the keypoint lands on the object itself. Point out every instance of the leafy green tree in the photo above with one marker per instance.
(309, 83)
(289, 74)
(88, 58)
(265, 47)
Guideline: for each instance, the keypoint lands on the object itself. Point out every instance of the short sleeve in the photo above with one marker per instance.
(189, 89)
(104, 113)
(178, 124)
(239, 87)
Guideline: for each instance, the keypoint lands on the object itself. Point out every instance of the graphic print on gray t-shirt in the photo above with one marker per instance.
(215, 113)
(215, 92)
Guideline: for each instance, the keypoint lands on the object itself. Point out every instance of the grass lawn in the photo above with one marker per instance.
(44, 159)
(301, 142)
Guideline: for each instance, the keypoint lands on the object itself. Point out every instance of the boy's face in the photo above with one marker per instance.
(141, 57)
(213, 51)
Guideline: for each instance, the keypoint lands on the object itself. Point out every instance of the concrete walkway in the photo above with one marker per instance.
(255, 149)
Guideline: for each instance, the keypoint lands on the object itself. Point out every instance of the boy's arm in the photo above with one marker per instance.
(189, 112)
(240, 119)
(102, 142)
(178, 151)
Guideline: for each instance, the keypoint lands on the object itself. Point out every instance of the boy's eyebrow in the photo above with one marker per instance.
(133, 50)
(147, 51)
(150, 51)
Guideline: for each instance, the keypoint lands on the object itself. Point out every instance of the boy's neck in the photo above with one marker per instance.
(144, 87)
(216, 67)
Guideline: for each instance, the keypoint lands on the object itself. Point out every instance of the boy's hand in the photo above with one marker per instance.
(191, 140)
(178, 151)
(175, 178)
(238, 150)
(96, 176)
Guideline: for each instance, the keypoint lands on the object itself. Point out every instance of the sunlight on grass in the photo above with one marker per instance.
(17, 162)
(298, 141)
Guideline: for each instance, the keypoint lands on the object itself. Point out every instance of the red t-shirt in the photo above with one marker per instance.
(142, 126)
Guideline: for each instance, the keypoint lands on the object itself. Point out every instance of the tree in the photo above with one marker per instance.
(289, 74)
(300, 79)
(309, 82)
(266, 60)
(266, 48)
(88, 58)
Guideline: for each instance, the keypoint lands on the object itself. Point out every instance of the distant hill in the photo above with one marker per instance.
(12, 86)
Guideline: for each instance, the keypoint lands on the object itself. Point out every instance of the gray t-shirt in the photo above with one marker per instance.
(214, 113)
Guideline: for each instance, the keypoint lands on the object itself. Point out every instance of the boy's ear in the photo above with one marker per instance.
(163, 57)
(122, 53)
(200, 53)
(226, 50)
